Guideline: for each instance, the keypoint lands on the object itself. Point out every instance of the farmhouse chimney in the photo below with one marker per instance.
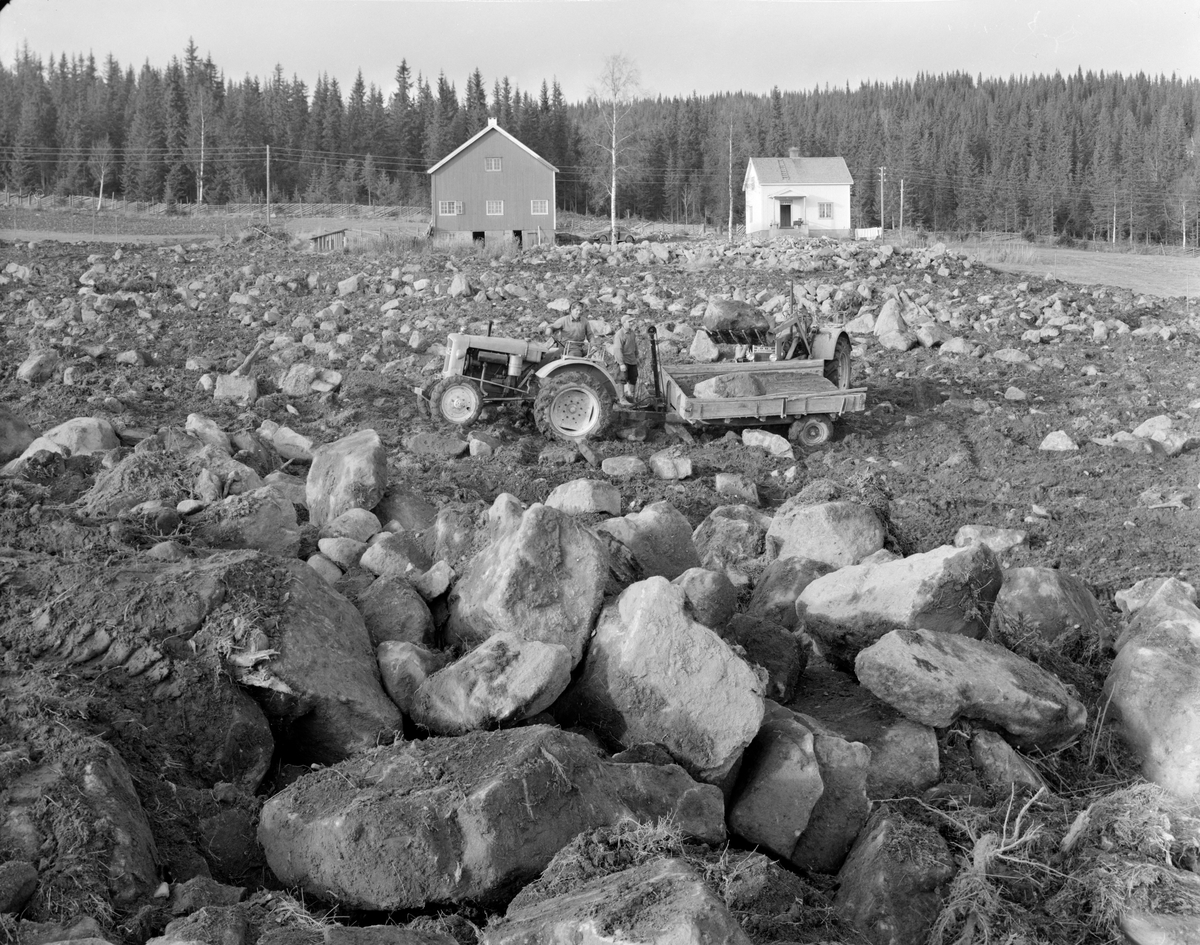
(492, 123)
(793, 153)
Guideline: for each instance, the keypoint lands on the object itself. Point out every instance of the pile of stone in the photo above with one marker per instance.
(498, 683)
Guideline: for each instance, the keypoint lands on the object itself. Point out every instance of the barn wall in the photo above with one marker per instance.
(520, 180)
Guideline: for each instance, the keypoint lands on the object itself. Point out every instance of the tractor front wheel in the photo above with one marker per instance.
(423, 397)
(457, 400)
(573, 405)
(837, 368)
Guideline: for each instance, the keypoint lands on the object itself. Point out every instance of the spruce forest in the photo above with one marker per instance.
(1101, 156)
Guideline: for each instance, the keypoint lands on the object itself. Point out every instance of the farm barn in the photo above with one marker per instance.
(492, 187)
(798, 195)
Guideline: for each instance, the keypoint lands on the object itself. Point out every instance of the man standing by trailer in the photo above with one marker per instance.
(625, 353)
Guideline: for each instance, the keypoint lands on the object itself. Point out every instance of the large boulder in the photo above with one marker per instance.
(504, 680)
(732, 539)
(947, 589)
(905, 759)
(1153, 690)
(658, 537)
(263, 520)
(586, 497)
(350, 473)
(685, 911)
(935, 678)
(653, 674)
(466, 819)
(15, 435)
(94, 800)
(772, 647)
(404, 667)
(542, 578)
(396, 554)
(392, 609)
(778, 786)
(407, 507)
(894, 881)
(711, 597)
(736, 384)
(780, 586)
(83, 436)
(322, 679)
(843, 806)
(835, 533)
(1048, 604)
(733, 314)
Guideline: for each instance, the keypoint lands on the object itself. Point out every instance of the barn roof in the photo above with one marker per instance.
(802, 170)
(491, 126)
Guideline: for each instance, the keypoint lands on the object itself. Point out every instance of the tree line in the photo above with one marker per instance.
(1094, 155)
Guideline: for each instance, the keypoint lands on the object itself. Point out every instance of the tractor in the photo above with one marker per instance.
(803, 372)
(572, 398)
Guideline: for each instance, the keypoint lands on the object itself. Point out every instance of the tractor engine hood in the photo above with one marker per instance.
(529, 350)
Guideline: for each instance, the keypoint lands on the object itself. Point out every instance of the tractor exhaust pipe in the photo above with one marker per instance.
(653, 333)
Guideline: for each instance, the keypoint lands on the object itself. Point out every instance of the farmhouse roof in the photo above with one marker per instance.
(801, 170)
(491, 126)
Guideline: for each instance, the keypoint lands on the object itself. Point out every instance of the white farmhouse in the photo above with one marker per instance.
(796, 195)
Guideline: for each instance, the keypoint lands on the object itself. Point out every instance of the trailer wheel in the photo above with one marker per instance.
(838, 368)
(813, 431)
(573, 405)
(457, 400)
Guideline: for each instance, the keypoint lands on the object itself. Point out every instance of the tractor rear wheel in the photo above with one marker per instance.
(457, 400)
(573, 405)
(838, 368)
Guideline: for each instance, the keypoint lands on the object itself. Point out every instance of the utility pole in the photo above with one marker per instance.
(882, 174)
(901, 207)
(268, 185)
(200, 182)
(731, 180)
(1114, 229)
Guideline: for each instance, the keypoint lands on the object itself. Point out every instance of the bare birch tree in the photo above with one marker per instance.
(615, 90)
(100, 161)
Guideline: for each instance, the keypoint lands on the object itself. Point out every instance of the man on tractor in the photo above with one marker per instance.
(573, 332)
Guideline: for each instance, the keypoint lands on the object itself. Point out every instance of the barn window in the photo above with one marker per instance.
(539, 208)
(825, 211)
(450, 208)
(495, 208)
(491, 164)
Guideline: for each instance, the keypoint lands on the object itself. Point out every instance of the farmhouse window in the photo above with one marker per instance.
(450, 208)
(825, 211)
(749, 214)
(495, 208)
(491, 164)
(539, 208)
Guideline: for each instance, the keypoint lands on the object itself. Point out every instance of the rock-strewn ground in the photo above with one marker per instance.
(1066, 412)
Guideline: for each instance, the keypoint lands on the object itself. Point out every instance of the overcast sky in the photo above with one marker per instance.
(680, 46)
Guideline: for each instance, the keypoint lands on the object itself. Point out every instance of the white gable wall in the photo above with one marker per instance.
(762, 210)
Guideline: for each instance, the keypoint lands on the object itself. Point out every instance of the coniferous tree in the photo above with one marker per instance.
(176, 184)
(143, 174)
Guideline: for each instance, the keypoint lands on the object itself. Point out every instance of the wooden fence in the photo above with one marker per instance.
(87, 204)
